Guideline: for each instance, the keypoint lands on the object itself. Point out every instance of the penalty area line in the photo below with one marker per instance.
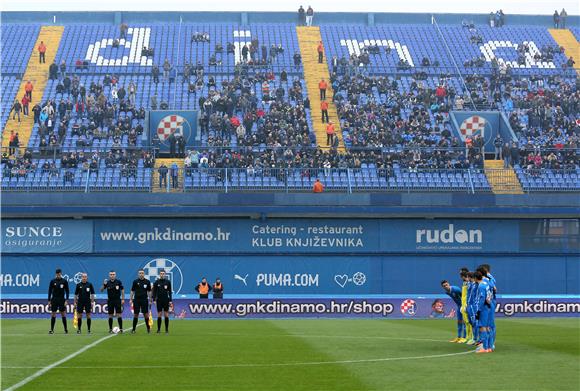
(56, 364)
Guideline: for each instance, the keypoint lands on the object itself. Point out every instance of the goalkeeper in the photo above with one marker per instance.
(464, 295)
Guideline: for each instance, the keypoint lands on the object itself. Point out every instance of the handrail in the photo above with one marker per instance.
(348, 180)
(471, 181)
(434, 22)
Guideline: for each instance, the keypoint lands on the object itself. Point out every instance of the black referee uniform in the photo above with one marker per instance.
(162, 297)
(84, 292)
(140, 289)
(58, 294)
(115, 290)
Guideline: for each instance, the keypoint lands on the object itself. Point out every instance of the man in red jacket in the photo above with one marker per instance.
(42, 52)
(25, 101)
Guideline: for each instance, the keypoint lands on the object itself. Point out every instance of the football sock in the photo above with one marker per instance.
(52, 322)
(110, 323)
(167, 323)
(88, 324)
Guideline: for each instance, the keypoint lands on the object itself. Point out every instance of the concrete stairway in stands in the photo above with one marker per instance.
(155, 176)
(502, 180)
(38, 74)
(308, 39)
(567, 40)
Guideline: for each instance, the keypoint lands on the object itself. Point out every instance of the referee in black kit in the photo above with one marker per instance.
(58, 294)
(115, 299)
(162, 297)
(84, 301)
(140, 296)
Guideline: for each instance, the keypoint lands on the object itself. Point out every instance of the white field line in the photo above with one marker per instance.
(249, 365)
(43, 370)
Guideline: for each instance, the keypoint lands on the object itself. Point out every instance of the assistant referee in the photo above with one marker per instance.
(58, 294)
(162, 297)
(140, 297)
(84, 301)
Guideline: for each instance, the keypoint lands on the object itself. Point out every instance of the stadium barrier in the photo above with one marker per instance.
(411, 307)
(288, 180)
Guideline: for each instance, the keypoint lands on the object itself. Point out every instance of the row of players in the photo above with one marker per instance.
(143, 295)
(476, 303)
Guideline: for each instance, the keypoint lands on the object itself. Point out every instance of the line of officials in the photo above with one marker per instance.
(143, 295)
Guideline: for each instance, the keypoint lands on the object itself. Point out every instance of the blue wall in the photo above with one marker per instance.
(306, 275)
(44, 17)
(527, 256)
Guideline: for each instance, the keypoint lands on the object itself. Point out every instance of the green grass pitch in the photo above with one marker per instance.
(294, 355)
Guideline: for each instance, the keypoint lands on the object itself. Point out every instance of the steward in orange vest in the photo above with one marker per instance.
(203, 289)
(218, 289)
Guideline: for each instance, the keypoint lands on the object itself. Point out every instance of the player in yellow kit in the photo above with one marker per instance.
(464, 289)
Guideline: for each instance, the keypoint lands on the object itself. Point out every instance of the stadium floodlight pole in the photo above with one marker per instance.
(434, 22)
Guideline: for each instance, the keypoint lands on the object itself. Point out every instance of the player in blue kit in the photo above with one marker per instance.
(471, 294)
(483, 307)
(455, 293)
(485, 270)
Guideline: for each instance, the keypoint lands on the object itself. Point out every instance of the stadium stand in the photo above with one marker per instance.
(392, 89)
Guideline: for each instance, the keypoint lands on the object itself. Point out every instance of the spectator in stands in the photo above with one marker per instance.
(16, 109)
(309, 16)
(162, 170)
(147, 52)
(172, 144)
(174, 176)
(28, 88)
(53, 71)
(155, 73)
(297, 59)
(563, 17)
(132, 88)
(154, 102)
(320, 50)
(556, 18)
(301, 16)
(123, 28)
(187, 72)
(180, 143)
(498, 143)
(25, 103)
(515, 154)
(62, 69)
(492, 19)
(42, 53)
(318, 186)
(15, 144)
(506, 154)
(36, 110)
(166, 68)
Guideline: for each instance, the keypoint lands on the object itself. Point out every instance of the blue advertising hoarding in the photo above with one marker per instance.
(305, 236)
(410, 307)
(314, 275)
(47, 236)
